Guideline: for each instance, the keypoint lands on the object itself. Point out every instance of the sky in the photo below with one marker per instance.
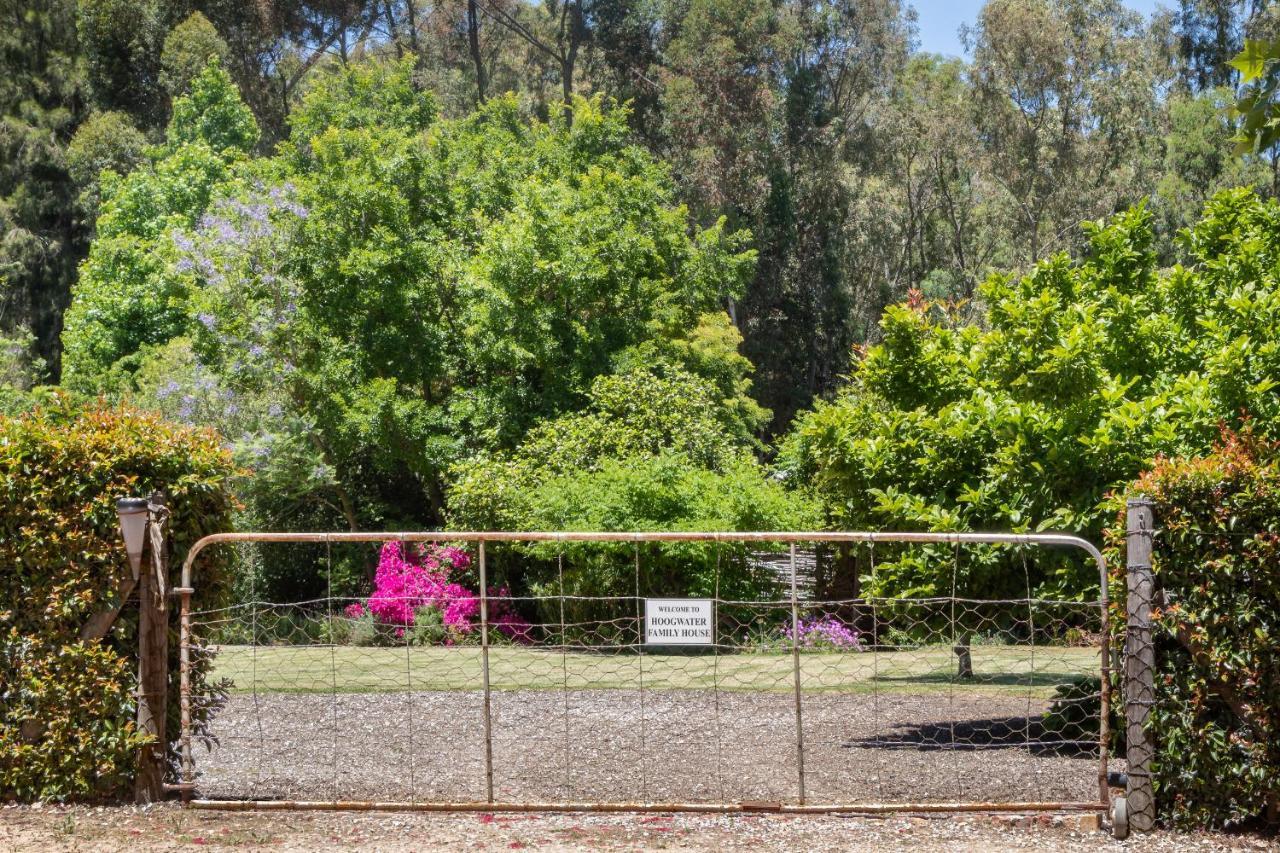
(940, 21)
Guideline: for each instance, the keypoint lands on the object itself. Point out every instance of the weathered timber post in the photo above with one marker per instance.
(153, 657)
(1139, 664)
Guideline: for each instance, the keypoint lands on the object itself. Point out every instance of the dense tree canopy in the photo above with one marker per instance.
(1077, 376)
(401, 289)
(861, 167)
(370, 241)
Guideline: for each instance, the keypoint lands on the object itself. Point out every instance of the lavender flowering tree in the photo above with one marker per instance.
(130, 297)
(390, 293)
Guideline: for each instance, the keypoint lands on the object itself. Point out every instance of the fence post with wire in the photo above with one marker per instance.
(1139, 664)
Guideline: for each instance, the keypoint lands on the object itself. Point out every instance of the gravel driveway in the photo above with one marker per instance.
(624, 746)
(128, 829)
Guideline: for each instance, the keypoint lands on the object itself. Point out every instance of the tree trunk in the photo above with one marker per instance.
(844, 582)
(391, 28)
(577, 30)
(964, 659)
(473, 41)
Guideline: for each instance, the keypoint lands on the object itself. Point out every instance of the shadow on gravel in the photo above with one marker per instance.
(974, 735)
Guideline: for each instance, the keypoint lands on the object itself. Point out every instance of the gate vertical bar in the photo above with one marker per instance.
(484, 676)
(1139, 664)
(640, 640)
(795, 667)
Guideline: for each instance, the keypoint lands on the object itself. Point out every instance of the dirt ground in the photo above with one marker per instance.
(665, 746)
(170, 827)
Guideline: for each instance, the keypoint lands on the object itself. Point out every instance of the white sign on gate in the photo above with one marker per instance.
(679, 622)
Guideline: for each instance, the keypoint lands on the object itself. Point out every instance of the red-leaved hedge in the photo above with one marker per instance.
(1216, 561)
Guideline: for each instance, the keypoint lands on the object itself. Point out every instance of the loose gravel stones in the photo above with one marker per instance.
(625, 746)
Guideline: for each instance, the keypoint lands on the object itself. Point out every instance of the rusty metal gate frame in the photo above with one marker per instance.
(187, 785)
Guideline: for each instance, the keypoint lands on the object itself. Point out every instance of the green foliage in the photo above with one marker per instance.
(369, 95)
(188, 49)
(650, 453)
(121, 42)
(398, 290)
(1197, 159)
(1052, 137)
(20, 367)
(393, 292)
(861, 167)
(22, 374)
(1216, 721)
(637, 415)
(1259, 67)
(213, 114)
(1074, 379)
(65, 719)
(43, 96)
(363, 630)
(129, 296)
(106, 140)
(428, 627)
(709, 351)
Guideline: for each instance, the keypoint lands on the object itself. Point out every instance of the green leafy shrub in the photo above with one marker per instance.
(1070, 382)
(362, 630)
(428, 627)
(1216, 722)
(66, 703)
(652, 451)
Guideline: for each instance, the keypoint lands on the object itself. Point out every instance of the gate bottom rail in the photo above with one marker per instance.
(711, 808)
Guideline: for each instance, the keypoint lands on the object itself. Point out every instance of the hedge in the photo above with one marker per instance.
(1216, 562)
(67, 703)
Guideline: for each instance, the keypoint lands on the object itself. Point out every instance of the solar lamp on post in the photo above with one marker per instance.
(142, 519)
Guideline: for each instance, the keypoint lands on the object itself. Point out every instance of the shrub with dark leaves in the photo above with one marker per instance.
(66, 694)
(1216, 559)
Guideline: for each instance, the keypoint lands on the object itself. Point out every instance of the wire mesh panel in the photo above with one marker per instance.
(632, 669)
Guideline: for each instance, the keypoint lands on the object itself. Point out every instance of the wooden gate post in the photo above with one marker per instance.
(1139, 665)
(153, 657)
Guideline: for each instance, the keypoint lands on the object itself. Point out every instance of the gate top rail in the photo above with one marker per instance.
(1063, 539)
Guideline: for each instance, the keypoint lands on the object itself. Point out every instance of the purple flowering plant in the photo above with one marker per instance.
(246, 303)
(824, 632)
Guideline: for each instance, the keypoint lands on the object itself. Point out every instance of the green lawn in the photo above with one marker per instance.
(351, 669)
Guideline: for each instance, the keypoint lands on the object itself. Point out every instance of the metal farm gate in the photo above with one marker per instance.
(658, 698)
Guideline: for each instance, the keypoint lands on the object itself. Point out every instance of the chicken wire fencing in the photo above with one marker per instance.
(710, 671)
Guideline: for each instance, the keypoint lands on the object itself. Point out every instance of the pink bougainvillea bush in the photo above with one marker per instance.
(420, 579)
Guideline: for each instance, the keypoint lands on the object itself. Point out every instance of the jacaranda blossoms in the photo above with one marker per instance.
(423, 577)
